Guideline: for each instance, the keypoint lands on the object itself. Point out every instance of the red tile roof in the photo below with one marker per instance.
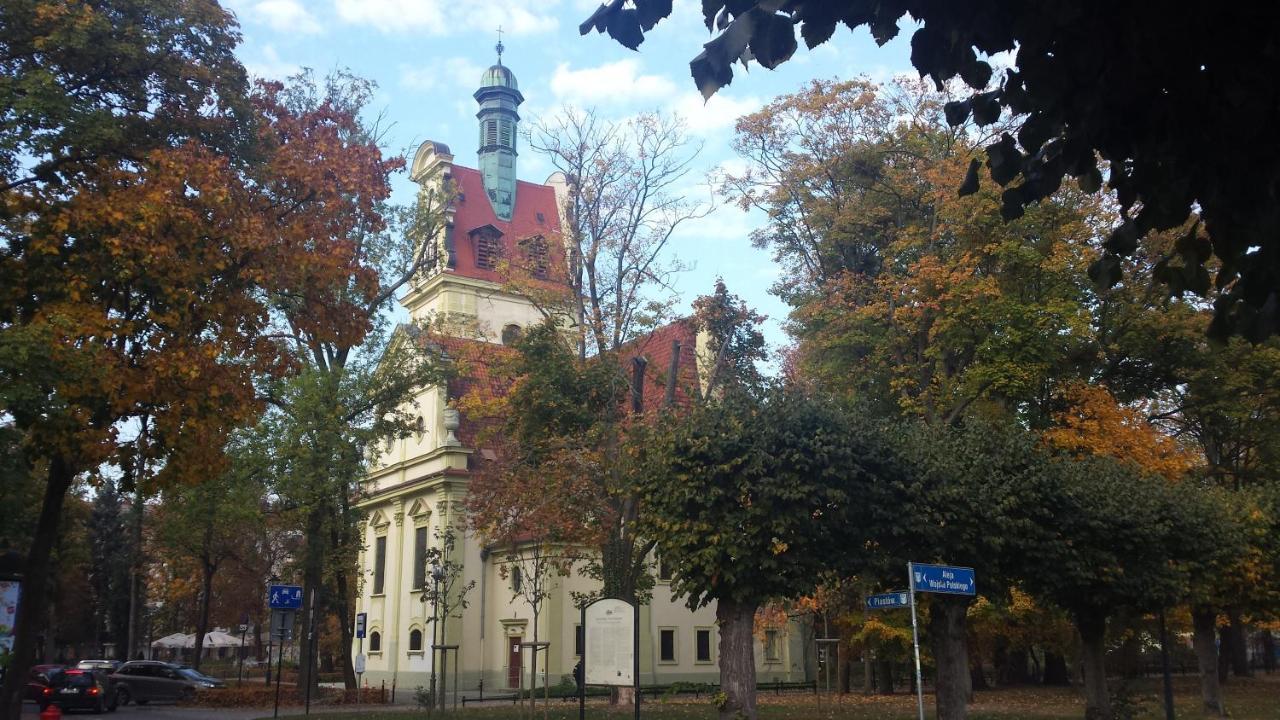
(656, 347)
(472, 210)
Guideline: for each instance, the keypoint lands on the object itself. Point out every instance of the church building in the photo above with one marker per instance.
(417, 488)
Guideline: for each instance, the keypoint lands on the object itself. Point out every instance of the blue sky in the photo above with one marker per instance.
(427, 57)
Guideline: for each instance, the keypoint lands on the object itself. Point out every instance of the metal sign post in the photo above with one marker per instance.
(943, 579)
(915, 639)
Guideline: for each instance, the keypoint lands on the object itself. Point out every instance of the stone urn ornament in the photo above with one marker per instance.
(452, 421)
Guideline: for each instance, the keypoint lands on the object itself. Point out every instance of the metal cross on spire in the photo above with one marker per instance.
(499, 47)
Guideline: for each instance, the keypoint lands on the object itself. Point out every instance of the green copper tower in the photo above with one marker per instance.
(499, 97)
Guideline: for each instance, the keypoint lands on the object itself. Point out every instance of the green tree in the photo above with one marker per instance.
(1090, 80)
(747, 497)
(200, 525)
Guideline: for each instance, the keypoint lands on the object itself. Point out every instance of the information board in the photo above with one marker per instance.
(609, 626)
(10, 592)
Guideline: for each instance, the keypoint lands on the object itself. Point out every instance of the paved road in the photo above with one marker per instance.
(157, 711)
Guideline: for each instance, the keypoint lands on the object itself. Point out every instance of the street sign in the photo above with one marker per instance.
(359, 666)
(282, 625)
(943, 579)
(284, 597)
(888, 601)
(361, 619)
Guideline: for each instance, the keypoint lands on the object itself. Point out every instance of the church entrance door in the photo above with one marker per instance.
(514, 666)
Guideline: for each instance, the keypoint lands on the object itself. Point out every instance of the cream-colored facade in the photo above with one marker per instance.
(418, 487)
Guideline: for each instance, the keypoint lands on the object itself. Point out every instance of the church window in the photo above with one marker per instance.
(579, 640)
(517, 579)
(667, 645)
(375, 642)
(419, 558)
(772, 649)
(415, 640)
(511, 334)
(702, 649)
(379, 563)
(488, 249)
(664, 570)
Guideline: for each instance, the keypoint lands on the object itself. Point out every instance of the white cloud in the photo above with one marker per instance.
(613, 82)
(285, 16)
(445, 72)
(715, 115)
(271, 66)
(447, 16)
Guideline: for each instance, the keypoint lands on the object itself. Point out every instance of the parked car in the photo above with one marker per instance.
(80, 689)
(145, 680)
(39, 678)
(206, 681)
(109, 666)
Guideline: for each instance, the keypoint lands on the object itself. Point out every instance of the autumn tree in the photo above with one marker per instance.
(1099, 80)
(625, 201)
(201, 524)
(905, 295)
(130, 268)
(747, 497)
(358, 373)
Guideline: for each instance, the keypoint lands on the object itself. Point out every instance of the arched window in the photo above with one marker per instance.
(511, 334)
(375, 641)
(415, 640)
(517, 579)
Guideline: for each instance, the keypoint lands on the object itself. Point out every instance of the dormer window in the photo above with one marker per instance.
(535, 250)
(488, 245)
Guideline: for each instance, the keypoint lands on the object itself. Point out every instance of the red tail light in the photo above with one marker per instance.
(94, 691)
(47, 691)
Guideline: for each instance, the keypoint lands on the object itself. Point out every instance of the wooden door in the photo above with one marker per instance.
(514, 666)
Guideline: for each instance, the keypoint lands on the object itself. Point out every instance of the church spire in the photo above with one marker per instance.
(499, 98)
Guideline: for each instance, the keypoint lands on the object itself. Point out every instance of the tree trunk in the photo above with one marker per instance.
(346, 630)
(312, 582)
(1239, 645)
(1055, 669)
(884, 677)
(1203, 621)
(737, 659)
(202, 617)
(1268, 652)
(946, 627)
(978, 678)
(135, 579)
(1093, 634)
(35, 588)
(1224, 654)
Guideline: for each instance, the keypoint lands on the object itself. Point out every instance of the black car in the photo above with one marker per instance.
(76, 689)
(145, 680)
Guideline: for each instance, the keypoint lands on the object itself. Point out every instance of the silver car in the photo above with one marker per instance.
(145, 680)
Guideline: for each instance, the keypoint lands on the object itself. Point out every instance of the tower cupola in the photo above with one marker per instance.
(499, 98)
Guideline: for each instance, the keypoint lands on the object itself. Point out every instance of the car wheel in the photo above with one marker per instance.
(188, 694)
(122, 697)
(99, 707)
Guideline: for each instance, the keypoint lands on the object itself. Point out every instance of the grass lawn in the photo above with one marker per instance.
(1247, 699)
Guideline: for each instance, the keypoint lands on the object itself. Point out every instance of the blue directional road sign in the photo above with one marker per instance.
(943, 579)
(888, 601)
(284, 597)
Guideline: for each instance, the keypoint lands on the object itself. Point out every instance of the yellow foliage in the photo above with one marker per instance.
(1094, 423)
